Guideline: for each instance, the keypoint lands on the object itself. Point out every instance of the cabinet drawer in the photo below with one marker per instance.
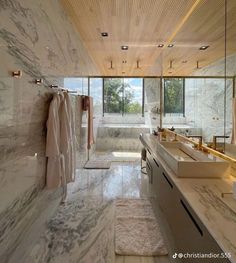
(165, 193)
(191, 236)
(149, 170)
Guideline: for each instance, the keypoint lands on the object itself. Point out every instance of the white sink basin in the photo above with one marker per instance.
(188, 162)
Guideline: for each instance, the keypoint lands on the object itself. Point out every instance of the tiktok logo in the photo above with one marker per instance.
(174, 255)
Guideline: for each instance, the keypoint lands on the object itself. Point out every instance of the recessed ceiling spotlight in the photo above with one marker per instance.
(104, 34)
(170, 45)
(123, 72)
(184, 61)
(124, 47)
(124, 61)
(203, 47)
(160, 45)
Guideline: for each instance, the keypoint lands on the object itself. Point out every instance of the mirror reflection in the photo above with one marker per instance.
(199, 103)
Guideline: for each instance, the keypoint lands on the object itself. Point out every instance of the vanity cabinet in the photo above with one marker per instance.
(189, 233)
(149, 167)
(153, 169)
(191, 236)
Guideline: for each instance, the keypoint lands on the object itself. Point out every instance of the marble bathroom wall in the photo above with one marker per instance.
(211, 98)
(152, 102)
(205, 105)
(218, 68)
(37, 38)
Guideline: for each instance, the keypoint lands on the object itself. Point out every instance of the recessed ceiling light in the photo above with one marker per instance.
(160, 45)
(170, 45)
(124, 61)
(203, 47)
(104, 34)
(184, 61)
(123, 72)
(124, 47)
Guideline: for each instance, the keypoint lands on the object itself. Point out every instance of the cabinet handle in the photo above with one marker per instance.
(155, 162)
(168, 181)
(191, 217)
(148, 151)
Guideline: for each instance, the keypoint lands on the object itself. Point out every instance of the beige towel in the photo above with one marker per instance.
(88, 106)
(70, 175)
(90, 123)
(65, 137)
(54, 173)
(233, 139)
(78, 119)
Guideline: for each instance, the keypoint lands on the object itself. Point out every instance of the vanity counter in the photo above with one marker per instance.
(204, 196)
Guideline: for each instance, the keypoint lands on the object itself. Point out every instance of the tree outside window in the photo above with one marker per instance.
(174, 96)
(123, 96)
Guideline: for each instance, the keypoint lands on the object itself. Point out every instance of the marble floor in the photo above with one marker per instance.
(82, 229)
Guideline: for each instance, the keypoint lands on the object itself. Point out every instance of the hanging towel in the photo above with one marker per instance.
(78, 120)
(70, 172)
(233, 139)
(54, 172)
(56, 150)
(65, 137)
(88, 106)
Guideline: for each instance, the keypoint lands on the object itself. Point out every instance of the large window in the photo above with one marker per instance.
(77, 84)
(174, 96)
(123, 95)
(95, 91)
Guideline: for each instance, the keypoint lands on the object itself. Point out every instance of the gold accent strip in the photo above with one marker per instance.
(207, 149)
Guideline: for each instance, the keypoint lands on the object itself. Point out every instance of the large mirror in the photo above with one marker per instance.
(199, 74)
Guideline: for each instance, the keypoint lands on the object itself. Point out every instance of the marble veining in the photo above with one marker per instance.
(28, 29)
(82, 229)
(122, 138)
(152, 102)
(211, 196)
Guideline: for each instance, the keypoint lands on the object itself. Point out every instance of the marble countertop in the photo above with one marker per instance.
(204, 196)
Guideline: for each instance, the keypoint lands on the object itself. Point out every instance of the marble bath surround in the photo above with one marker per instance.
(204, 196)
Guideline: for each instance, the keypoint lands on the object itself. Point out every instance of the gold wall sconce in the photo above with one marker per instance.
(17, 74)
(111, 65)
(138, 66)
(198, 66)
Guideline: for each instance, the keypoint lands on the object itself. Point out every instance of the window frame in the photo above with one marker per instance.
(183, 97)
(123, 113)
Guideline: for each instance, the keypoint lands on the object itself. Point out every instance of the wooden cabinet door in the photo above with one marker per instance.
(191, 236)
(165, 193)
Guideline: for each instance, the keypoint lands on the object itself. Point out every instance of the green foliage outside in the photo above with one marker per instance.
(173, 96)
(118, 97)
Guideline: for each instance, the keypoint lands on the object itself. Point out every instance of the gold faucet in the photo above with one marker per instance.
(215, 140)
(199, 142)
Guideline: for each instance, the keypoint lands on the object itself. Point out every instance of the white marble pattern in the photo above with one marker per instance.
(119, 137)
(82, 229)
(152, 102)
(37, 38)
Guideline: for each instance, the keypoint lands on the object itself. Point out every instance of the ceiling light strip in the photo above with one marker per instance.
(182, 22)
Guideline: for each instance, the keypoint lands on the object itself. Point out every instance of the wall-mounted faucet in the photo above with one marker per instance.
(200, 139)
(215, 137)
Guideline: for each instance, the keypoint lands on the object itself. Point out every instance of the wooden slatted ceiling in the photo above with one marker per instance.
(142, 24)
